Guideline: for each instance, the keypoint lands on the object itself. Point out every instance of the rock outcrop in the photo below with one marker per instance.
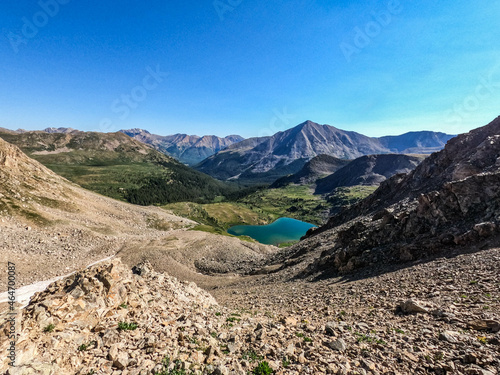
(108, 317)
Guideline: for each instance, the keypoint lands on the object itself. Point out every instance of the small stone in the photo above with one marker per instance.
(411, 307)
(113, 352)
(484, 325)
(330, 328)
(448, 336)
(301, 358)
(121, 361)
(338, 344)
(368, 365)
(77, 293)
(260, 334)
(289, 321)
(410, 356)
(232, 347)
(221, 370)
(470, 358)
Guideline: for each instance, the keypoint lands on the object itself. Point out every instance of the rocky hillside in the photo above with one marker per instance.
(318, 167)
(451, 200)
(118, 166)
(369, 170)
(76, 147)
(50, 226)
(269, 158)
(110, 319)
(188, 149)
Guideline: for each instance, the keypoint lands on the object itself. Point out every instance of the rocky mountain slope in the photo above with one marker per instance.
(268, 158)
(451, 200)
(110, 319)
(369, 170)
(118, 166)
(318, 167)
(188, 149)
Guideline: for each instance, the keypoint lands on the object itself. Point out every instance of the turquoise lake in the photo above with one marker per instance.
(282, 230)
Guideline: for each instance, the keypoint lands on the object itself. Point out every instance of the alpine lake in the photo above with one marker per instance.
(283, 230)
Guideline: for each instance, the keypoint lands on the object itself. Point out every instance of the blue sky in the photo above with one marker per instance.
(249, 67)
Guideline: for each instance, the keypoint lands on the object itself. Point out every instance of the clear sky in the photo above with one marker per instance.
(249, 67)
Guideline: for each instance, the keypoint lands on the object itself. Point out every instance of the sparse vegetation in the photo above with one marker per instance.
(285, 363)
(345, 196)
(176, 370)
(49, 328)
(84, 347)
(124, 326)
(262, 369)
(483, 340)
(367, 338)
(251, 356)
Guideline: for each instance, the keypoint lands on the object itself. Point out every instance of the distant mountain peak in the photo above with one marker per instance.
(188, 149)
(268, 158)
(59, 130)
(135, 131)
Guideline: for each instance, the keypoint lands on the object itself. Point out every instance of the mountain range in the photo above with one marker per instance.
(50, 226)
(118, 166)
(188, 149)
(265, 159)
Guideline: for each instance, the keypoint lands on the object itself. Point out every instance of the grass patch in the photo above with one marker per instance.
(176, 370)
(35, 217)
(124, 326)
(297, 202)
(287, 244)
(365, 338)
(345, 196)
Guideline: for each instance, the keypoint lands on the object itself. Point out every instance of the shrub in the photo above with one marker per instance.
(262, 369)
(49, 328)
